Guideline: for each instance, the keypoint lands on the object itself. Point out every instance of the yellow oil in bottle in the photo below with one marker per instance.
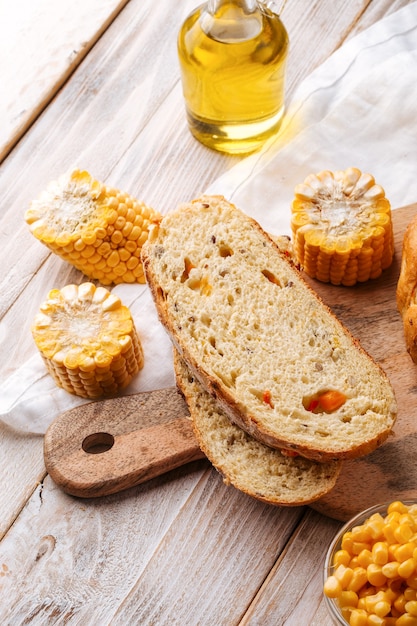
(232, 57)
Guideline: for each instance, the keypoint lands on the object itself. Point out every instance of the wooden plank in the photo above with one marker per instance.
(43, 41)
(375, 10)
(22, 469)
(292, 593)
(183, 549)
(325, 34)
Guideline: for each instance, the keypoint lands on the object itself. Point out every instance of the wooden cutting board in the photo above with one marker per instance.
(145, 435)
(104, 447)
(369, 311)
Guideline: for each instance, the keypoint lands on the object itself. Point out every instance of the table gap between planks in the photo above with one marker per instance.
(95, 84)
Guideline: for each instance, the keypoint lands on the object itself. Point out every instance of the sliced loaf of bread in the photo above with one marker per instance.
(259, 339)
(244, 462)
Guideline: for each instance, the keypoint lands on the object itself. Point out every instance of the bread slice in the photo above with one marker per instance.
(259, 339)
(250, 466)
(407, 288)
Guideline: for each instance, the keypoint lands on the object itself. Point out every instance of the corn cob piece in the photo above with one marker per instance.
(87, 340)
(98, 229)
(342, 228)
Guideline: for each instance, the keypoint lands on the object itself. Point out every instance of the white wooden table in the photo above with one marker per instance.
(95, 83)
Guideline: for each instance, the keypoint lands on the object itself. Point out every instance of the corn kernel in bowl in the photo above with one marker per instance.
(370, 572)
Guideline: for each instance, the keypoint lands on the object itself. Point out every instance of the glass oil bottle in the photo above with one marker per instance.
(232, 56)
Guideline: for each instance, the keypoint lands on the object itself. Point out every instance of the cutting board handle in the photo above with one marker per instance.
(104, 447)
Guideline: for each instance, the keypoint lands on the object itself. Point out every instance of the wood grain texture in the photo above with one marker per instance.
(107, 446)
(372, 12)
(182, 548)
(279, 599)
(370, 313)
(46, 42)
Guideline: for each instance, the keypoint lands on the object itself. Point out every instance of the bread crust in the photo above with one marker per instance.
(407, 287)
(255, 469)
(228, 399)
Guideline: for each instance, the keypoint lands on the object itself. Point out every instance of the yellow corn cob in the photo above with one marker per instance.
(342, 228)
(87, 340)
(98, 229)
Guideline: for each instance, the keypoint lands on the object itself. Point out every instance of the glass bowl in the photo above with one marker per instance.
(357, 520)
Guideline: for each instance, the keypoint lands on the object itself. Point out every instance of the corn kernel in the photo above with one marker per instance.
(358, 617)
(361, 534)
(392, 550)
(390, 570)
(341, 557)
(375, 575)
(400, 603)
(382, 608)
(375, 620)
(407, 568)
(344, 575)
(346, 611)
(410, 594)
(380, 553)
(389, 531)
(358, 579)
(403, 533)
(407, 518)
(397, 506)
(365, 558)
(372, 601)
(393, 516)
(348, 599)
(412, 581)
(406, 620)
(405, 551)
(332, 587)
(375, 526)
(411, 607)
(86, 222)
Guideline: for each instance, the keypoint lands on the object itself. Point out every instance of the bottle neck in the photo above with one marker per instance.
(232, 21)
(246, 6)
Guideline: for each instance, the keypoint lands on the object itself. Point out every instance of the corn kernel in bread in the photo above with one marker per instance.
(247, 464)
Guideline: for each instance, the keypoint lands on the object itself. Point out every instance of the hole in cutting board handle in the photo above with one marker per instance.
(97, 443)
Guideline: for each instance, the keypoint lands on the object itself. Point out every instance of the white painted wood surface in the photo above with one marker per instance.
(41, 43)
(183, 549)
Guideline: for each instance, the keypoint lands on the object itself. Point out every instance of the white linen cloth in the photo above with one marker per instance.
(357, 109)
